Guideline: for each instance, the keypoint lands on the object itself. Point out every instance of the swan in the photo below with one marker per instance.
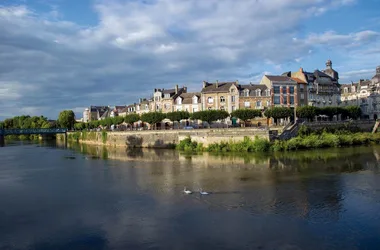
(203, 192)
(186, 191)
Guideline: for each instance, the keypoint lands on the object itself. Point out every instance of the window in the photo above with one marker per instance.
(233, 98)
(209, 108)
(302, 96)
(232, 90)
(268, 103)
(246, 92)
(247, 104)
(291, 90)
(146, 107)
(222, 99)
(233, 108)
(166, 106)
(267, 92)
(210, 100)
(179, 101)
(276, 100)
(222, 108)
(258, 92)
(167, 95)
(258, 104)
(292, 100)
(195, 100)
(276, 89)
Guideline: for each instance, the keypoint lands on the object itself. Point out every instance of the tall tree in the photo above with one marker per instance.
(66, 119)
(153, 118)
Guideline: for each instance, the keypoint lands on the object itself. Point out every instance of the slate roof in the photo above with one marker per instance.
(252, 89)
(187, 98)
(222, 87)
(279, 78)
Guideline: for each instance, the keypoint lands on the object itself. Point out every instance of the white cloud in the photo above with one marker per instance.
(137, 46)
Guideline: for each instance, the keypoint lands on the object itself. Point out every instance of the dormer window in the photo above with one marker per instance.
(167, 96)
(146, 107)
(345, 90)
(195, 100)
(258, 92)
(267, 92)
(246, 92)
(232, 90)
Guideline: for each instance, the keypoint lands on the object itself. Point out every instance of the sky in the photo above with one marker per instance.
(70, 54)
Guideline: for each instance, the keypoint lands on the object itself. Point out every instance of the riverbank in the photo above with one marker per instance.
(311, 141)
(167, 138)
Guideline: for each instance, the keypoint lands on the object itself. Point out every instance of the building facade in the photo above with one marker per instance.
(254, 96)
(163, 99)
(283, 89)
(190, 102)
(220, 96)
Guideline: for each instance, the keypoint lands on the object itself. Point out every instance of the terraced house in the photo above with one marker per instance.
(283, 89)
(190, 102)
(254, 96)
(163, 99)
(220, 96)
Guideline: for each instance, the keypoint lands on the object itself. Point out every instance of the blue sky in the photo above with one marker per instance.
(69, 54)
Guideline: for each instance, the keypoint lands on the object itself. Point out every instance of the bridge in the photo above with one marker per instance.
(30, 131)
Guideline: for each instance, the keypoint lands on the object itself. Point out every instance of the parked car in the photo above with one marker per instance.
(188, 127)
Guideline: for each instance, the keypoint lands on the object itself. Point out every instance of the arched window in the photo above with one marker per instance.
(210, 100)
(222, 99)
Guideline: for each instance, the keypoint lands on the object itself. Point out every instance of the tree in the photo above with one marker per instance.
(66, 119)
(153, 118)
(354, 112)
(210, 116)
(278, 113)
(131, 119)
(177, 116)
(246, 114)
(307, 112)
(79, 126)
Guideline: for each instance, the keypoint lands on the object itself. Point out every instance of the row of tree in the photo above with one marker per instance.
(27, 122)
(66, 118)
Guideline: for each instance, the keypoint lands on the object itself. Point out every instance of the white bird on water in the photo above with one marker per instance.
(203, 192)
(186, 191)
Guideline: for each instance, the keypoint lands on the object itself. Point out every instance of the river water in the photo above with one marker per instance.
(88, 197)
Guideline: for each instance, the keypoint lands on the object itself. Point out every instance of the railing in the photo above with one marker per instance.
(33, 131)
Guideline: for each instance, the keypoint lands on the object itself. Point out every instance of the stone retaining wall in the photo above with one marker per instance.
(166, 138)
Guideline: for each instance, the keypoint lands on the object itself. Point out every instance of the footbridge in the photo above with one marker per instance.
(31, 131)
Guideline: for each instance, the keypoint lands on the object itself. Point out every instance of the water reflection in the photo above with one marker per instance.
(94, 197)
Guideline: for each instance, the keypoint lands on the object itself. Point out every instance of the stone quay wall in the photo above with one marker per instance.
(364, 125)
(167, 138)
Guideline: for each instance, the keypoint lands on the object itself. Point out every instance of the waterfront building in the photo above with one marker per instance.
(144, 106)
(97, 112)
(283, 89)
(163, 99)
(254, 96)
(190, 102)
(220, 96)
(86, 115)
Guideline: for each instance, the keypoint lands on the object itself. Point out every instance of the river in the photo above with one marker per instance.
(90, 197)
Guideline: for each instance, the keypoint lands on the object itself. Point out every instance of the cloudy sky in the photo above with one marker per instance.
(69, 54)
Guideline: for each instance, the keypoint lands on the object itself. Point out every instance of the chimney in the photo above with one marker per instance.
(237, 82)
(204, 84)
(140, 100)
(176, 89)
(217, 84)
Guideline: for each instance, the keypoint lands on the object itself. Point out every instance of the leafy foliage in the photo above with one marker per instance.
(178, 115)
(246, 114)
(66, 119)
(210, 116)
(278, 112)
(152, 117)
(307, 112)
(26, 121)
(132, 118)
